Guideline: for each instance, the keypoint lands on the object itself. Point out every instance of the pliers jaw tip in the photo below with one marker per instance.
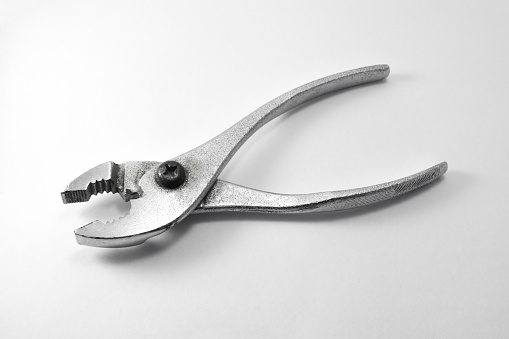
(129, 230)
(84, 238)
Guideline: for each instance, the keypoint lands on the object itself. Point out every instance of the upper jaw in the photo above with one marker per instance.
(108, 177)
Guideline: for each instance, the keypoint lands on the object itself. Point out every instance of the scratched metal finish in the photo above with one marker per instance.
(155, 209)
(227, 197)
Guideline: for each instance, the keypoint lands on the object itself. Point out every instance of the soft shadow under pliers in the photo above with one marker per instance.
(162, 194)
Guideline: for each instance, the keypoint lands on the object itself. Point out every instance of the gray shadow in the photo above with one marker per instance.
(452, 184)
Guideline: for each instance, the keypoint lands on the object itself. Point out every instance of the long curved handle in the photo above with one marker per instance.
(204, 163)
(227, 197)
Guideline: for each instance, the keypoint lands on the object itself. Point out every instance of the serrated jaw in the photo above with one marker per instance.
(106, 177)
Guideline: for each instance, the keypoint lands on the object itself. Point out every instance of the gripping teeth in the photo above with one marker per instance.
(93, 188)
(116, 220)
(102, 186)
(107, 177)
(69, 197)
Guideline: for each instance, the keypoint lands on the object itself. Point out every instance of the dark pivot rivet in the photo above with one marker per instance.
(170, 174)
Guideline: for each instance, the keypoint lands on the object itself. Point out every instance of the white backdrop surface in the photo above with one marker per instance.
(82, 83)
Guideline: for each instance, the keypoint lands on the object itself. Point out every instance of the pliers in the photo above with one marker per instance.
(163, 194)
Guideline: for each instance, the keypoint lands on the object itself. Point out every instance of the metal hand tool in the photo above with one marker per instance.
(162, 194)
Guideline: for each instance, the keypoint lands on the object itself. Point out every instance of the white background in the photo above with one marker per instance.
(87, 82)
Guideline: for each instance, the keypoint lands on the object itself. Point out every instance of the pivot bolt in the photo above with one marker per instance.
(170, 174)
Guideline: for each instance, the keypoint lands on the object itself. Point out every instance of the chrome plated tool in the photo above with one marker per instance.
(162, 194)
